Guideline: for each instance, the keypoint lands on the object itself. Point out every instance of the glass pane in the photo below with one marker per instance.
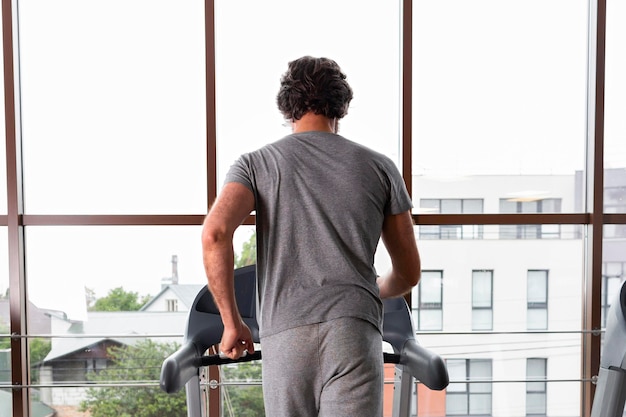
(480, 370)
(242, 394)
(451, 206)
(456, 404)
(480, 404)
(429, 320)
(614, 110)
(473, 206)
(430, 206)
(509, 350)
(482, 319)
(537, 319)
(493, 114)
(536, 368)
(537, 287)
(536, 403)
(248, 81)
(70, 268)
(113, 296)
(481, 288)
(430, 287)
(457, 371)
(113, 120)
(125, 400)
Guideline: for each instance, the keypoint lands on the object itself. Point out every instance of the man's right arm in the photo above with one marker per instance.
(399, 239)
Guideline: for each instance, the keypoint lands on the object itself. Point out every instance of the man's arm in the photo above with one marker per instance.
(399, 239)
(232, 206)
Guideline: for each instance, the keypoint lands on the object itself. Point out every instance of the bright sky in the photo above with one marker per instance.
(113, 109)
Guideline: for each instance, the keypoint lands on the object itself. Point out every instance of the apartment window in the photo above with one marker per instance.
(172, 305)
(536, 392)
(427, 301)
(469, 398)
(613, 274)
(530, 231)
(482, 300)
(451, 206)
(537, 300)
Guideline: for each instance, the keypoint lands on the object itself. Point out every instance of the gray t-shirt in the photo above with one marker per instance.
(320, 202)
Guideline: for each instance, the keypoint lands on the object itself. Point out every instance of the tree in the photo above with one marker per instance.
(5, 342)
(119, 300)
(248, 253)
(39, 349)
(140, 362)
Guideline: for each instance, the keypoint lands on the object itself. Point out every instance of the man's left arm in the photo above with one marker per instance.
(231, 208)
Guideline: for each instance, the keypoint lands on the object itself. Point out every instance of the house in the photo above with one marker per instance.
(71, 359)
(173, 297)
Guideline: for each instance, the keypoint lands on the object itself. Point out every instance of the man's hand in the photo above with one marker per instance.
(235, 341)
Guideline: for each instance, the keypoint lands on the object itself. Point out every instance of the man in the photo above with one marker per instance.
(322, 203)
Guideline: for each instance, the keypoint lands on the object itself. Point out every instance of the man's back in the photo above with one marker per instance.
(320, 205)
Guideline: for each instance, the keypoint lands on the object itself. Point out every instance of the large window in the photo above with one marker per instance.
(428, 301)
(128, 113)
(482, 300)
(252, 51)
(536, 392)
(469, 399)
(537, 295)
(113, 120)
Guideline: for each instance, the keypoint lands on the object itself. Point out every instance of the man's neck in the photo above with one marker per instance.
(315, 122)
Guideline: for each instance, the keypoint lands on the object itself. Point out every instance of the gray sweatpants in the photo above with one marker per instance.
(330, 369)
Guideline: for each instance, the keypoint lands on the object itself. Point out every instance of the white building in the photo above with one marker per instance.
(502, 303)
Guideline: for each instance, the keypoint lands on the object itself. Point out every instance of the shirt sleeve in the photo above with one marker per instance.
(399, 199)
(241, 172)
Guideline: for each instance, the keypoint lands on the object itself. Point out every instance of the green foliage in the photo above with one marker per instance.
(119, 300)
(39, 348)
(5, 342)
(248, 253)
(243, 400)
(138, 363)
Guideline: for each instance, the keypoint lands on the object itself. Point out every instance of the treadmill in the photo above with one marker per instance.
(204, 329)
(610, 394)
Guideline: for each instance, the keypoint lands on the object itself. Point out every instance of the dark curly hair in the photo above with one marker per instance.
(313, 85)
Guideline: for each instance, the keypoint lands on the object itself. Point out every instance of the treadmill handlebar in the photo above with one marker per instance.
(426, 366)
(179, 368)
(183, 364)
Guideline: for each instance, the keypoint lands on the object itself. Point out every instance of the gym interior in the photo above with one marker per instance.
(505, 118)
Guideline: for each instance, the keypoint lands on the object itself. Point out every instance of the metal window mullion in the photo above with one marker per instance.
(592, 286)
(18, 299)
(211, 122)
